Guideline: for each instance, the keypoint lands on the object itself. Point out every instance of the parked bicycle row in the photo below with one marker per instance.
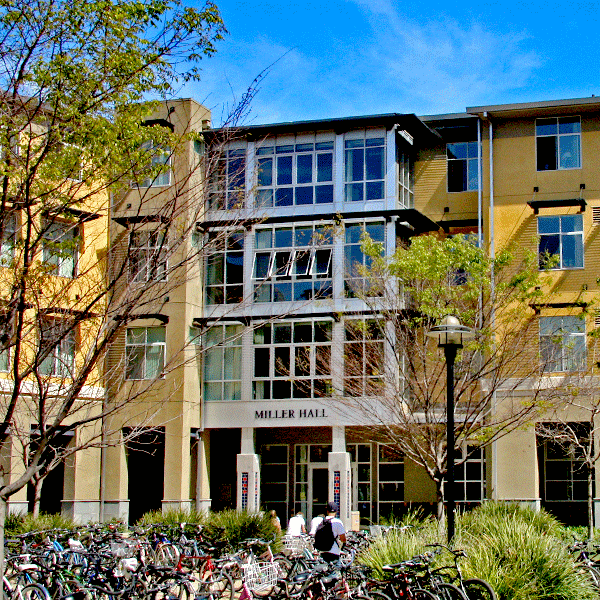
(182, 563)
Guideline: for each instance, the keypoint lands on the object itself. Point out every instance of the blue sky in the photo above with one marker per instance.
(339, 58)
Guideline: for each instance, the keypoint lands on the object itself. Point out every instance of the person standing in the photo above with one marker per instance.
(338, 531)
(316, 521)
(275, 520)
(297, 525)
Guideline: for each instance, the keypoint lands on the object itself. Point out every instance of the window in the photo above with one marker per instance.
(57, 336)
(228, 181)
(405, 180)
(292, 360)
(292, 263)
(145, 352)
(159, 166)
(298, 174)
(360, 457)
(355, 260)
(9, 234)
(363, 358)
(562, 344)
(463, 166)
(365, 169)
(564, 470)
(274, 478)
(225, 268)
(391, 481)
(4, 360)
(469, 477)
(306, 455)
(60, 248)
(558, 143)
(148, 256)
(561, 241)
(223, 363)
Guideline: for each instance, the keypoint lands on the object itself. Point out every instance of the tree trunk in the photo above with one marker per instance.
(590, 503)
(37, 493)
(441, 513)
(2, 522)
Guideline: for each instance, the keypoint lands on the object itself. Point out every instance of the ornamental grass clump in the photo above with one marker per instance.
(236, 526)
(523, 563)
(172, 517)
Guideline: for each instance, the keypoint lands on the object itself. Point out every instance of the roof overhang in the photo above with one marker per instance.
(529, 109)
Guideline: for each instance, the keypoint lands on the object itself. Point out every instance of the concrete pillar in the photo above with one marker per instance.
(248, 474)
(203, 500)
(340, 475)
(177, 465)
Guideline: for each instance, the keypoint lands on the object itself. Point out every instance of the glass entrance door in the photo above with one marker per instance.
(318, 490)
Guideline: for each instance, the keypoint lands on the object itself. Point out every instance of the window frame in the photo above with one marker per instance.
(351, 278)
(60, 258)
(275, 153)
(228, 180)
(564, 352)
(219, 266)
(354, 155)
(558, 135)
(156, 256)
(468, 160)
(561, 238)
(158, 154)
(61, 336)
(228, 346)
(146, 346)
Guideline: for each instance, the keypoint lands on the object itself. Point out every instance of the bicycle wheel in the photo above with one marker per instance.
(375, 595)
(590, 573)
(167, 555)
(217, 584)
(32, 591)
(478, 589)
(448, 591)
(422, 594)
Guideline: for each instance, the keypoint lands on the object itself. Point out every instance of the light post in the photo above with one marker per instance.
(450, 335)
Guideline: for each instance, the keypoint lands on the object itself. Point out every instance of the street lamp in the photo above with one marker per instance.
(450, 335)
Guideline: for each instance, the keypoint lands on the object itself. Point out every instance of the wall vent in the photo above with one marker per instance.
(596, 215)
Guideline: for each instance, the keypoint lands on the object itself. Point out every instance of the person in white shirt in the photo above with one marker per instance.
(316, 521)
(297, 525)
(339, 531)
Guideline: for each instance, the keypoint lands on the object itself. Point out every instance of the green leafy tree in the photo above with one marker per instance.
(396, 380)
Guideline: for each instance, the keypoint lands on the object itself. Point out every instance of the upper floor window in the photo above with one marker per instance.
(463, 166)
(292, 360)
(60, 247)
(292, 263)
(364, 169)
(228, 180)
(223, 363)
(469, 476)
(57, 335)
(558, 143)
(561, 241)
(363, 357)
(356, 262)
(159, 166)
(298, 174)
(144, 352)
(7, 247)
(4, 360)
(148, 256)
(562, 343)
(225, 268)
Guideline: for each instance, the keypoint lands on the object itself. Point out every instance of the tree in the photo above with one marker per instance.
(394, 375)
(78, 130)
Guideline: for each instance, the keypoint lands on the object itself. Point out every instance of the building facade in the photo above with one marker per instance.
(251, 416)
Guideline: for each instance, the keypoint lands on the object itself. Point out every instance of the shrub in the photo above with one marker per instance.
(172, 517)
(16, 524)
(236, 526)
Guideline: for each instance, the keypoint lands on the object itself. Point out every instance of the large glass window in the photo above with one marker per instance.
(148, 256)
(364, 169)
(295, 174)
(562, 343)
(274, 478)
(228, 180)
(561, 241)
(363, 357)
(469, 477)
(360, 457)
(225, 268)
(292, 360)
(390, 466)
(223, 363)
(292, 263)
(463, 166)
(356, 262)
(159, 166)
(558, 143)
(145, 352)
(60, 247)
(58, 335)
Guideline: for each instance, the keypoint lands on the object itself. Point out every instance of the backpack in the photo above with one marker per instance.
(324, 537)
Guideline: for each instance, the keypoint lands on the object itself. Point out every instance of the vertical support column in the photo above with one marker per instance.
(340, 474)
(203, 500)
(248, 470)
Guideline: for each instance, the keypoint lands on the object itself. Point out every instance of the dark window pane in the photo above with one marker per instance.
(284, 197)
(324, 167)
(324, 194)
(284, 170)
(546, 153)
(355, 165)
(572, 251)
(457, 175)
(281, 389)
(374, 163)
(282, 292)
(375, 190)
(261, 362)
(304, 195)
(546, 127)
(303, 290)
(354, 192)
(304, 168)
(265, 171)
(283, 237)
